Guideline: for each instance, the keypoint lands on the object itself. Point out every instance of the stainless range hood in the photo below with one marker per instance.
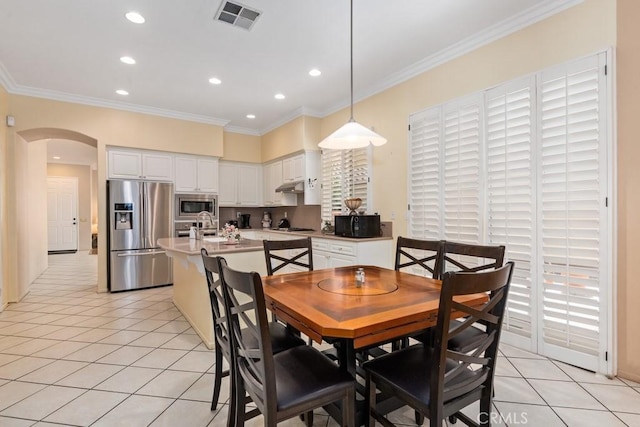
(291, 187)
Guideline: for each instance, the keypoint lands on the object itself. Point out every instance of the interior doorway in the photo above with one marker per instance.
(62, 214)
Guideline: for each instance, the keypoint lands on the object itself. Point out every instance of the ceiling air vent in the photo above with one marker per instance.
(237, 15)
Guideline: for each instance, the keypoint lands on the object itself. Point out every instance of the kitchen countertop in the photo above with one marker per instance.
(216, 246)
(319, 234)
(213, 245)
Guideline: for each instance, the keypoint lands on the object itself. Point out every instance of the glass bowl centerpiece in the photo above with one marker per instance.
(231, 233)
(353, 204)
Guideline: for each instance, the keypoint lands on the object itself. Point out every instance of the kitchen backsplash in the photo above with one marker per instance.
(303, 216)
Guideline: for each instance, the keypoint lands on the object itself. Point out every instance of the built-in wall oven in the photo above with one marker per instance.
(187, 208)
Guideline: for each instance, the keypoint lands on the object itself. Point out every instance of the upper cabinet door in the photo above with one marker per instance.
(207, 175)
(125, 164)
(298, 169)
(196, 174)
(186, 174)
(228, 194)
(248, 185)
(157, 167)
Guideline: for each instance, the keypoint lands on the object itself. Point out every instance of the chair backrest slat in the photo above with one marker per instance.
(416, 252)
(276, 259)
(470, 257)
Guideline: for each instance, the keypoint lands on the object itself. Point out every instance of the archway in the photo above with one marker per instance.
(26, 202)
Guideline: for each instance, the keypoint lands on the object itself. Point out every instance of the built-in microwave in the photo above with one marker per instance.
(188, 206)
(358, 226)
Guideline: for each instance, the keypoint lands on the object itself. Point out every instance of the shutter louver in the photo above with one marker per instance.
(461, 174)
(570, 208)
(510, 193)
(345, 174)
(424, 175)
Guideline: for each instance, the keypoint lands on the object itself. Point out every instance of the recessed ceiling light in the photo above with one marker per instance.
(127, 60)
(135, 17)
(122, 92)
(315, 72)
(251, 116)
(279, 96)
(56, 157)
(215, 81)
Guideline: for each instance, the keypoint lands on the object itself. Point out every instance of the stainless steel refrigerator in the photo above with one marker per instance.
(140, 212)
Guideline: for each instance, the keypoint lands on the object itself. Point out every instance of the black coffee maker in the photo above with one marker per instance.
(244, 221)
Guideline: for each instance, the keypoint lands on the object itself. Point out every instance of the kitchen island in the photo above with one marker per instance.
(190, 292)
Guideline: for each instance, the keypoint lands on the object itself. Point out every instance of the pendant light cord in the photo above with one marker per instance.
(351, 55)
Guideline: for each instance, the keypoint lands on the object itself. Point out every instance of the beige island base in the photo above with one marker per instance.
(190, 292)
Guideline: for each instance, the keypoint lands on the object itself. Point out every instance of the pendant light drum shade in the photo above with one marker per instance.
(352, 134)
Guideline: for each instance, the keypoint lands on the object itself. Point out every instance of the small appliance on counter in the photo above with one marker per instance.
(244, 221)
(284, 222)
(357, 226)
(266, 220)
(232, 222)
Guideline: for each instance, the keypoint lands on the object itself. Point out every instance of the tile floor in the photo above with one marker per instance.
(72, 357)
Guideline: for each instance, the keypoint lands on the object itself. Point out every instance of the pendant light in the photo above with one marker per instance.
(352, 134)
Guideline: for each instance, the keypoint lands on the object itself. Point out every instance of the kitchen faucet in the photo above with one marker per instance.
(200, 231)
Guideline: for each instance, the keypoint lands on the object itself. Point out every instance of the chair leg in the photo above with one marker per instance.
(419, 418)
(485, 407)
(217, 379)
(238, 404)
(308, 418)
(370, 401)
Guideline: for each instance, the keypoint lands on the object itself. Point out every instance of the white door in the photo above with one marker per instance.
(62, 213)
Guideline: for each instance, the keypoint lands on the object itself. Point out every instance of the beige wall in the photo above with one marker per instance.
(302, 133)
(628, 197)
(83, 173)
(32, 219)
(242, 148)
(4, 110)
(108, 127)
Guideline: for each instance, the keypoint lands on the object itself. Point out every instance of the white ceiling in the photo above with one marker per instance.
(70, 49)
(71, 152)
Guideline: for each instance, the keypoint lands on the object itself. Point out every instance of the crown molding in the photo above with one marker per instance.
(5, 79)
(242, 130)
(301, 111)
(502, 29)
(97, 102)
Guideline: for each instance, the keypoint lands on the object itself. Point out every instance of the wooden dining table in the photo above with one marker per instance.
(328, 304)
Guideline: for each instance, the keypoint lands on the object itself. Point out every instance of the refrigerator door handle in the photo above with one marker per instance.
(143, 253)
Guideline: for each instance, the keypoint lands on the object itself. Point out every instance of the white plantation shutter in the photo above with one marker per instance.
(424, 174)
(345, 174)
(529, 169)
(572, 214)
(510, 196)
(461, 175)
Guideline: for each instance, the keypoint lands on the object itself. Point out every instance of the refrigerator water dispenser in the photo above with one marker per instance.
(124, 216)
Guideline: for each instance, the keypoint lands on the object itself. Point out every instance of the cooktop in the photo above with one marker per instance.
(296, 229)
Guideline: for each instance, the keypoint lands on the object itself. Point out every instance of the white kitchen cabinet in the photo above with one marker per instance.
(240, 184)
(196, 174)
(132, 164)
(272, 179)
(331, 253)
(293, 168)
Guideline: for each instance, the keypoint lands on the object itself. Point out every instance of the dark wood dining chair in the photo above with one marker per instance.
(282, 339)
(469, 258)
(283, 385)
(277, 258)
(435, 380)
